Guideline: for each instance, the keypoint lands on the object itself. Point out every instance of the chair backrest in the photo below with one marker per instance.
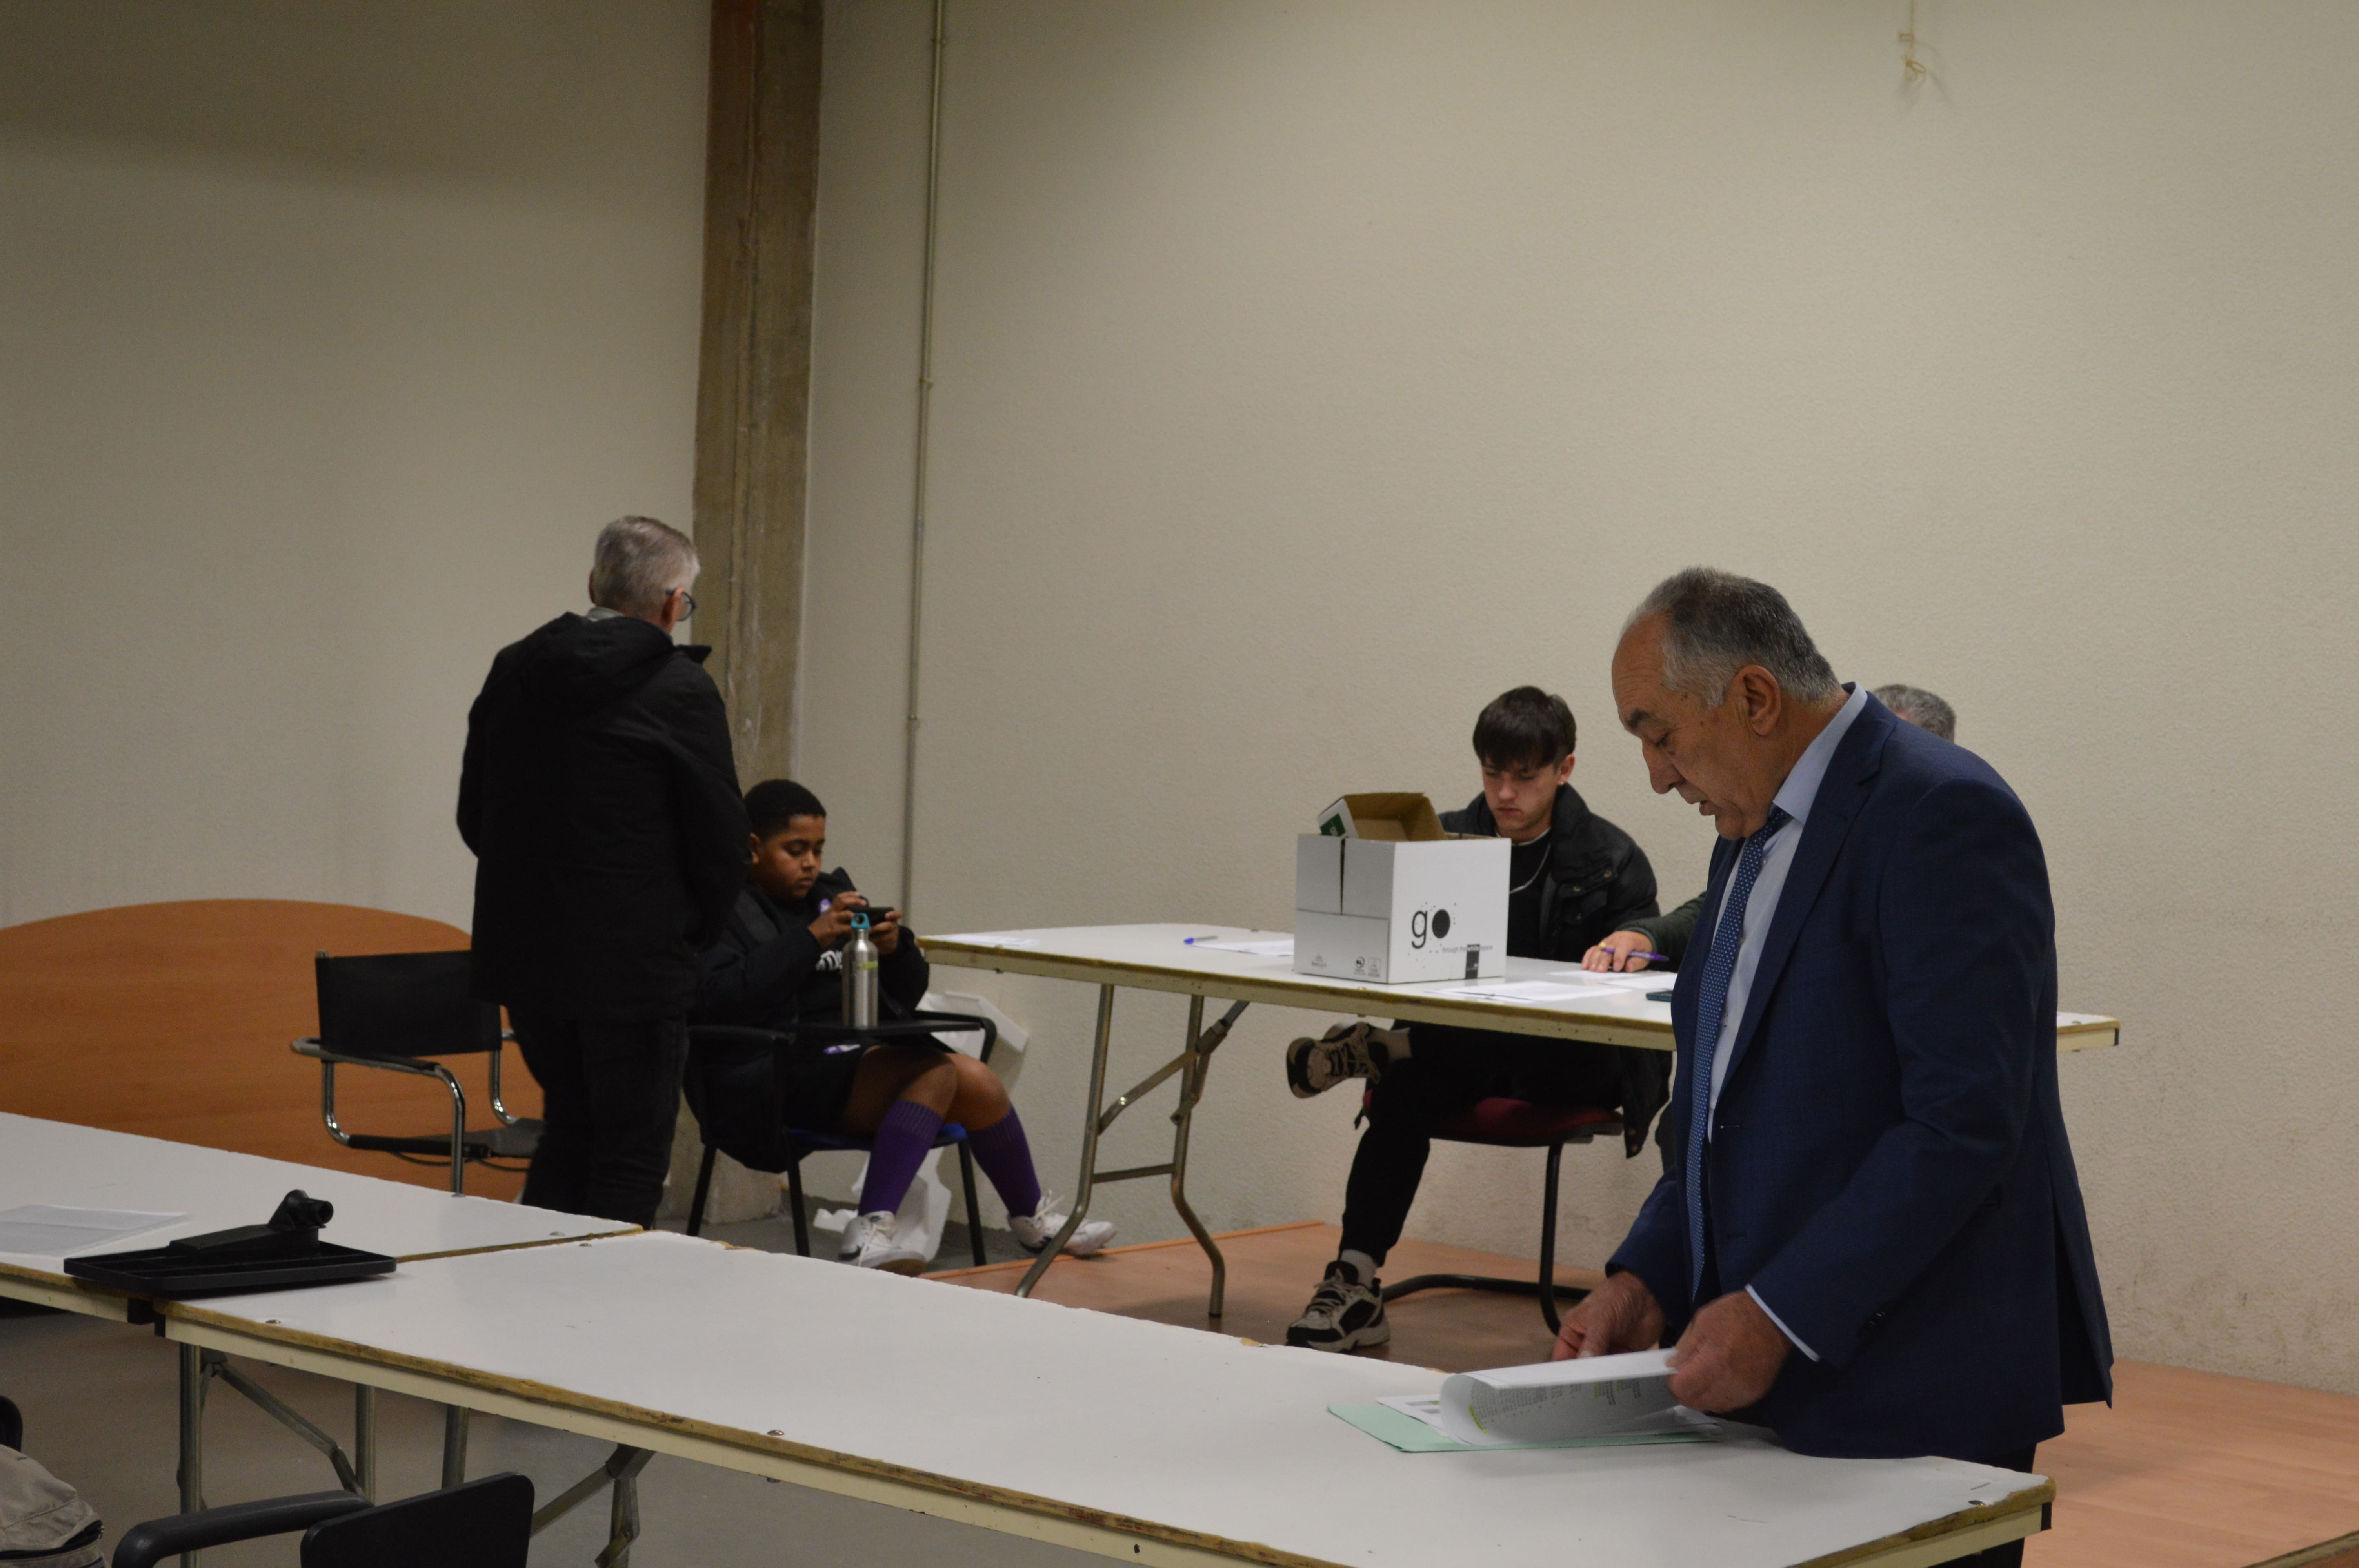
(483, 1524)
(403, 1004)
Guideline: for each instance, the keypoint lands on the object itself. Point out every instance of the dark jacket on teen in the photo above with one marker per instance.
(1887, 1165)
(769, 972)
(599, 797)
(1596, 882)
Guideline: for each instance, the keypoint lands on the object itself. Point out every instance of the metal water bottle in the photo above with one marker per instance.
(860, 977)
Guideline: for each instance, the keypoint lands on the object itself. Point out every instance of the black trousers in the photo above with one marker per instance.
(1448, 1069)
(610, 1093)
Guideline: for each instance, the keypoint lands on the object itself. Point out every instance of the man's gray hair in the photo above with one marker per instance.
(640, 560)
(1715, 623)
(1921, 707)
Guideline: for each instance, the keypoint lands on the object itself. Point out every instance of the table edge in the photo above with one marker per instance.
(191, 1324)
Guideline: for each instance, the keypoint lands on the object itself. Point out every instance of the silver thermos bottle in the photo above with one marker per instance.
(860, 977)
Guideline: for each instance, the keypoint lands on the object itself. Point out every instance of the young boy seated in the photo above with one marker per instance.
(1573, 877)
(780, 963)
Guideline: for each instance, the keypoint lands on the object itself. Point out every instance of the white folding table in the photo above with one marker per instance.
(58, 1164)
(1163, 959)
(1126, 1438)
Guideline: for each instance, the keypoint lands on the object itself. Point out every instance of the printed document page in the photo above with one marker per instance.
(1604, 1396)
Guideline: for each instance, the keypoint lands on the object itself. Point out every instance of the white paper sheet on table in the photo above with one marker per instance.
(1644, 981)
(47, 1231)
(1281, 947)
(1532, 991)
(993, 938)
(1604, 1396)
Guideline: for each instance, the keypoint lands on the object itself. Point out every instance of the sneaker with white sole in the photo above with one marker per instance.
(1345, 1313)
(1034, 1231)
(1347, 1051)
(869, 1242)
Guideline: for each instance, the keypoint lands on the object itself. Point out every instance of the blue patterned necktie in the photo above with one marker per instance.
(1711, 1004)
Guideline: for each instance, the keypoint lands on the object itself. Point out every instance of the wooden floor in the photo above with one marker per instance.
(2187, 1469)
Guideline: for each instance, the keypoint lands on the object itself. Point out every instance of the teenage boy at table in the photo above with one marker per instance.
(780, 963)
(1572, 878)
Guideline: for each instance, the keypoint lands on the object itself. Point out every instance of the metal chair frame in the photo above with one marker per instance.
(801, 1142)
(463, 1146)
(1545, 1286)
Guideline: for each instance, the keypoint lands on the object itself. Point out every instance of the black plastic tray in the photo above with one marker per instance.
(161, 1272)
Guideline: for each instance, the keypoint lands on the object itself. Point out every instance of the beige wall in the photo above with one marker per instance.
(1308, 373)
(329, 334)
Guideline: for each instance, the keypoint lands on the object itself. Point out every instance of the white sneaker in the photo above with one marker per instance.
(868, 1241)
(1037, 1229)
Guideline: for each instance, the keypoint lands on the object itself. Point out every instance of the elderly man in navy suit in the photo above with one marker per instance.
(1870, 1238)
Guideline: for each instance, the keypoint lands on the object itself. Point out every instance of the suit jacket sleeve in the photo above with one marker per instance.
(471, 780)
(709, 814)
(1670, 933)
(1966, 931)
(1633, 892)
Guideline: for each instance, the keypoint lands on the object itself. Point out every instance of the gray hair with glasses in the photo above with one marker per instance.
(640, 562)
(1715, 623)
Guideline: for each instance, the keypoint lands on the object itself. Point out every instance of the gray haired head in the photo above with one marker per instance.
(1921, 707)
(1715, 623)
(639, 561)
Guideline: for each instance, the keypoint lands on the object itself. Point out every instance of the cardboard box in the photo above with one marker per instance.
(1381, 893)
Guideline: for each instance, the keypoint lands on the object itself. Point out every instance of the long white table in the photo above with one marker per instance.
(1130, 1439)
(89, 1167)
(58, 1163)
(1161, 958)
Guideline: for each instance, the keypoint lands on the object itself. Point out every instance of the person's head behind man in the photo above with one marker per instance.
(1724, 689)
(789, 838)
(644, 569)
(1524, 742)
(1921, 707)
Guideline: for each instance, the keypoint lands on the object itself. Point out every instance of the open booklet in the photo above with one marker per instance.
(1604, 1396)
(1599, 1403)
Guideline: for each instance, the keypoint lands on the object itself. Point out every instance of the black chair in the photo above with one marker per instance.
(12, 1426)
(394, 1011)
(732, 1087)
(483, 1524)
(1504, 1124)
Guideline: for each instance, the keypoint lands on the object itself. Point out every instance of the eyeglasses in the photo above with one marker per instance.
(687, 604)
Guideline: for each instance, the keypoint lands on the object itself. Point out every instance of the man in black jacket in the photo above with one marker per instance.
(1572, 878)
(600, 800)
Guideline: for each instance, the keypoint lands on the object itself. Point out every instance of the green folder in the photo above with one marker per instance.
(1410, 1435)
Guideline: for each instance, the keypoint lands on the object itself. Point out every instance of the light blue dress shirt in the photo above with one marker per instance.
(1794, 797)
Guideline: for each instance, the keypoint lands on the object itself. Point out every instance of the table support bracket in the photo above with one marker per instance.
(620, 1471)
(1191, 1065)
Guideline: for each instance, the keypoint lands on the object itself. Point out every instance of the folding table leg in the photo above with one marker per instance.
(1191, 1088)
(192, 1437)
(365, 1439)
(1090, 1124)
(455, 1446)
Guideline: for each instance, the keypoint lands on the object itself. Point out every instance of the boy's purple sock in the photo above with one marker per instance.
(1007, 1159)
(895, 1153)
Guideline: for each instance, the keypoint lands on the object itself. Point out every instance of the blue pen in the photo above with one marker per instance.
(1215, 937)
(1650, 958)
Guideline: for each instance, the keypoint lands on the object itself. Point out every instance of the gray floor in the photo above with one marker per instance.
(101, 1403)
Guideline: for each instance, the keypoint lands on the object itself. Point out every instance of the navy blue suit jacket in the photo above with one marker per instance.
(1888, 1166)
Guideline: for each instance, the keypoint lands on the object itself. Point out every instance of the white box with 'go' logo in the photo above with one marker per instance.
(1396, 911)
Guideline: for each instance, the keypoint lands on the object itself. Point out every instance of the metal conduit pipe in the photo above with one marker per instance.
(925, 429)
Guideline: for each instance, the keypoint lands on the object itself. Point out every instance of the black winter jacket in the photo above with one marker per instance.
(1597, 881)
(768, 971)
(599, 797)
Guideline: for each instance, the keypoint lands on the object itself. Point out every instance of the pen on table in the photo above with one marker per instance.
(1215, 937)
